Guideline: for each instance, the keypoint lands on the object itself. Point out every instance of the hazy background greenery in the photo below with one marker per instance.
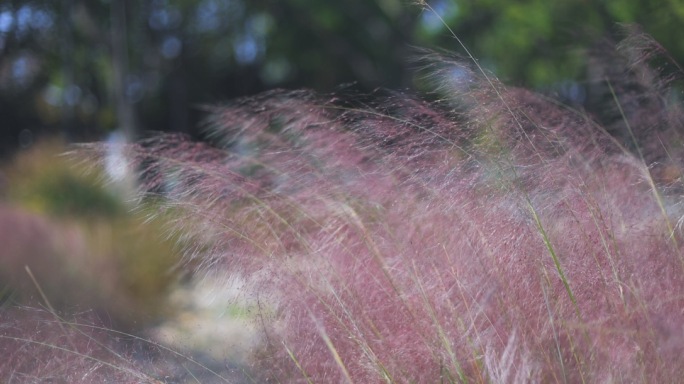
(83, 68)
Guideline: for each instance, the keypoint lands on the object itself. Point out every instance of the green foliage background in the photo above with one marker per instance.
(78, 67)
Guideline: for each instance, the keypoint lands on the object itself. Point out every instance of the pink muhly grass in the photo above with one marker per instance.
(489, 236)
(37, 347)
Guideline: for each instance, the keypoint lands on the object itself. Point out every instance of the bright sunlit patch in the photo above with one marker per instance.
(433, 21)
(171, 47)
(165, 18)
(116, 164)
(246, 50)
(6, 21)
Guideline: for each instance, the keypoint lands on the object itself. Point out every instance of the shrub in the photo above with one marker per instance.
(85, 246)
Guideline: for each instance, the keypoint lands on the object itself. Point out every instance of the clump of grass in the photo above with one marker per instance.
(490, 235)
(41, 346)
(38, 347)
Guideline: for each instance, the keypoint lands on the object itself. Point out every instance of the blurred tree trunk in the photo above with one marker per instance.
(67, 53)
(125, 112)
(179, 119)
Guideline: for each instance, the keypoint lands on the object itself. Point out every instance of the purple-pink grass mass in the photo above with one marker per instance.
(475, 233)
(480, 233)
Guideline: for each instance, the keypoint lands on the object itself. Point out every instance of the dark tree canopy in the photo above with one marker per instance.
(84, 68)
